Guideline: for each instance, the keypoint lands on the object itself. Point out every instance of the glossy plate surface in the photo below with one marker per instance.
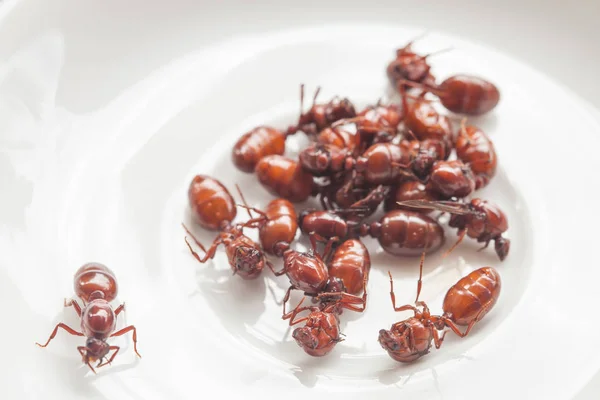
(89, 182)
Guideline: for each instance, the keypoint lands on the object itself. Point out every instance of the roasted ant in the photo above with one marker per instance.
(321, 332)
(410, 66)
(410, 339)
(409, 190)
(276, 225)
(96, 285)
(451, 179)
(283, 177)
(476, 150)
(351, 263)
(463, 94)
(256, 144)
(321, 116)
(479, 219)
(245, 256)
(211, 203)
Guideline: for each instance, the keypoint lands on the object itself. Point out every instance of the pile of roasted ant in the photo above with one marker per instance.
(398, 155)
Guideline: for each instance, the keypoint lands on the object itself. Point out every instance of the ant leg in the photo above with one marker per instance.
(420, 281)
(276, 273)
(292, 314)
(124, 331)
(373, 199)
(393, 297)
(324, 203)
(485, 246)
(348, 186)
(314, 237)
(254, 222)
(455, 329)
(437, 340)
(350, 301)
(207, 254)
(66, 328)
(119, 309)
(71, 302)
(461, 235)
(347, 300)
(244, 201)
(295, 311)
(112, 357)
(316, 95)
(287, 297)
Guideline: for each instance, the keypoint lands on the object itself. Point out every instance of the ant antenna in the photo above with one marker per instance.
(316, 95)
(435, 53)
(413, 40)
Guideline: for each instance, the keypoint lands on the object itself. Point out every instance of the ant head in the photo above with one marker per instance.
(335, 285)
(95, 350)
(248, 261)
(502, 246)
(423, 162)
(315, 159)
(408, 66)
(342, 109)
(305, 338)
(389, 341)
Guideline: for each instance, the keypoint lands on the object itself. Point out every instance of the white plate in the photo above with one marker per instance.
(107, 181)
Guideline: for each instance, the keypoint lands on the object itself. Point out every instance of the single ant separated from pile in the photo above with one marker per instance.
(96, 286)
